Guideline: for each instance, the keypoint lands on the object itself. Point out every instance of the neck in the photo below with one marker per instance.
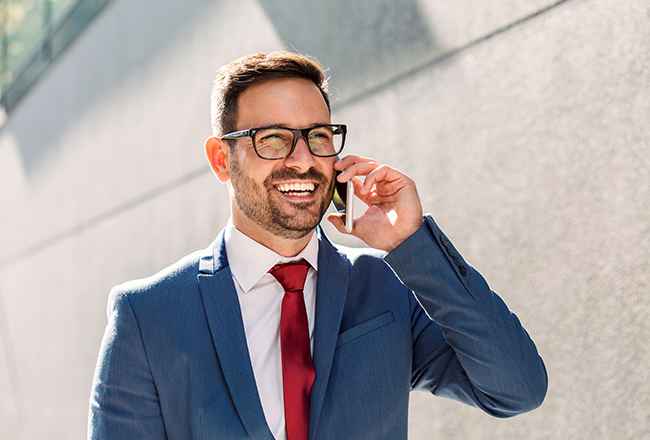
(287, 247)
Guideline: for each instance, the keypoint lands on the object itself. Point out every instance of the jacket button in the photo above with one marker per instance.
(463, 270)
(444, 240)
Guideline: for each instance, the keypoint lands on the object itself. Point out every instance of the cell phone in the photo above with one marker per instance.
(343, 200)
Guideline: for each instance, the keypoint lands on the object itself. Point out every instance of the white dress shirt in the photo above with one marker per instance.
(260, 298)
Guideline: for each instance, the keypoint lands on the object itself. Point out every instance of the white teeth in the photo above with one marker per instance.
(296, 187)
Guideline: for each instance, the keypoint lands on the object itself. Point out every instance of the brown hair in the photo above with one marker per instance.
(235, 77)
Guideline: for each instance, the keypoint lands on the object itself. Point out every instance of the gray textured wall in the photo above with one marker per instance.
(525, 124)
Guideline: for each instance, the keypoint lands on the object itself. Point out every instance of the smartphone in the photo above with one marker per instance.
(343, 200)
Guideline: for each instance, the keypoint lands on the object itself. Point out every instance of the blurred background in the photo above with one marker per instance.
(526, 125)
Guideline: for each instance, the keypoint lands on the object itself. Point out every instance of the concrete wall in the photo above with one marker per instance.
(525, 124)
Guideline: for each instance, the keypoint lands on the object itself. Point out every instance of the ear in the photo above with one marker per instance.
(217, 151)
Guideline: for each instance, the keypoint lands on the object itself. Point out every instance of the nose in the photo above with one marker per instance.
(301, 158)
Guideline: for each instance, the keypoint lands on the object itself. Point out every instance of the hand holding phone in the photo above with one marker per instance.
(394, 209)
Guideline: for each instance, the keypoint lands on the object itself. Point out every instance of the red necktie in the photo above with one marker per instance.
(297, 367)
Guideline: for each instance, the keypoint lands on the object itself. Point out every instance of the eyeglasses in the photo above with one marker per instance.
(274, 143)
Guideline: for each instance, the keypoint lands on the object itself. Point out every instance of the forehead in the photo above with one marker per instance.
(290, 102)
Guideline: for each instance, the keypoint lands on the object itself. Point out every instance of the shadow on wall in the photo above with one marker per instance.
(364, 43)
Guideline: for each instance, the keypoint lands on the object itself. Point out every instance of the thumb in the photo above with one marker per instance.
(337, 221)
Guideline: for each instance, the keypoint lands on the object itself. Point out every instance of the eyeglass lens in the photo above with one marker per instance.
(273, 143)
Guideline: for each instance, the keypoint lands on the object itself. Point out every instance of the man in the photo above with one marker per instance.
(198, 350)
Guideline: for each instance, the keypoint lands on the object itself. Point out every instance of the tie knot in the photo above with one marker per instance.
(291, 275)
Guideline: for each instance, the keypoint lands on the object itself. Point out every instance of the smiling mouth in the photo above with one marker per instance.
(296, 189)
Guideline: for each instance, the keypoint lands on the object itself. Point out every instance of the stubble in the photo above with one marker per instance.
(258, 202)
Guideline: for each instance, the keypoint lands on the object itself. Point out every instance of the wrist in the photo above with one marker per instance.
(407, 233)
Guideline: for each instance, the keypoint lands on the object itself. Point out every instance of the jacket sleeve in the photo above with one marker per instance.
(490, 360)
(123, 403)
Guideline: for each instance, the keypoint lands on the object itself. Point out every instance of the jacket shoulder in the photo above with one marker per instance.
(176, 277)
(368, 267)
(359, 255)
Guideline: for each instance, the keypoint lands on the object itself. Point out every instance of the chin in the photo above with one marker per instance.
(292, 226)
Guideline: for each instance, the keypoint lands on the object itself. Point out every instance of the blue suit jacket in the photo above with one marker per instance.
(174, 361)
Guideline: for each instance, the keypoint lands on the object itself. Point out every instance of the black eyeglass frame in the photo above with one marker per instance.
(297, 134)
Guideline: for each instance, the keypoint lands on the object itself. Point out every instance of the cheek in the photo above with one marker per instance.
(253, 170)
(326, 166)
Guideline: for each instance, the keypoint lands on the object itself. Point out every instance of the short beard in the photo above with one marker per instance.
(256, 201)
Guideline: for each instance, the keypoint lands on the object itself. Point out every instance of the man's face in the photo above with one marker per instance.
(286, 197)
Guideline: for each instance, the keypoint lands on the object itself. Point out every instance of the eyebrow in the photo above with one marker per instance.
(292, 128)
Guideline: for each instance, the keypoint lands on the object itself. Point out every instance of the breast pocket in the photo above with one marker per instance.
(365, 328)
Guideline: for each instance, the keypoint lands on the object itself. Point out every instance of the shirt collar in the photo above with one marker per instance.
(249, 260)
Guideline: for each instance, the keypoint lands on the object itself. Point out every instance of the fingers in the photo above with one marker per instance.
(354, 166)
(383, 180)
(347, 161)
(394, 209)
(378, 180)
(380, 174)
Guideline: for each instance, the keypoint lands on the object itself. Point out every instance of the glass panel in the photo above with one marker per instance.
(32, 33)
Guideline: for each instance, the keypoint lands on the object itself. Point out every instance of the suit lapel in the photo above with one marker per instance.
(331, 291)
(226, 326)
